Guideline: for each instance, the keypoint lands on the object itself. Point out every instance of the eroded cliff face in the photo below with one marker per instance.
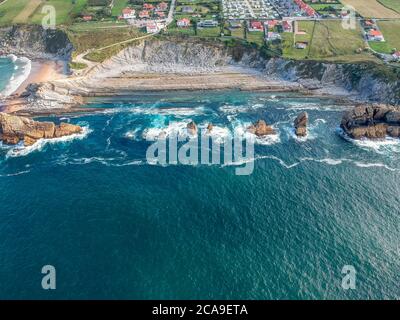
(365, 81)
(35, 42)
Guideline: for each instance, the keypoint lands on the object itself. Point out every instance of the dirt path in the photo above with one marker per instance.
(29, 9)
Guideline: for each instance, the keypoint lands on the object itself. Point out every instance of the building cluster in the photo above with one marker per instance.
(248, 9)
(293, 8)
(151, 16)
(371, 31)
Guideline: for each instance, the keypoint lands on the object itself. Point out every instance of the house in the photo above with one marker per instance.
(187, 9)
(144, 14)
(162, 6)
(375, 35)
(301, 45)
(151, 27)
(128, 13)
(183, 23)
(87, 18)
(287, 26)
(207, 24)
(160, 14)
(396, 55)
(148, 6)
(256, 26)
(271, 23)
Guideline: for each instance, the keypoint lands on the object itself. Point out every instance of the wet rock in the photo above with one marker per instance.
(14, 129)
(372, 122)
(192, 128)
(300, 124)
(260, 128)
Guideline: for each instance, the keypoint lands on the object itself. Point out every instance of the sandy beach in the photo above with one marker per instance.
(42, 71)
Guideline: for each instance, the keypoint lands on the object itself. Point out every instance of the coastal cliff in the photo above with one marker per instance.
(35, 42)
(193, 64)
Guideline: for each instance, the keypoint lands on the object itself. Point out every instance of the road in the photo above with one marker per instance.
(81, 57)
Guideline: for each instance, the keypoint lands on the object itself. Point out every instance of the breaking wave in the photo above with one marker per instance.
(20, 150)
(22, 69)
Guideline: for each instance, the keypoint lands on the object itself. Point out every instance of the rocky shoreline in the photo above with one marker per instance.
(372, 122)
(15, 129)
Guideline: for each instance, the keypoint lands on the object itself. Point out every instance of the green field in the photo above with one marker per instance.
(390, 30)
(288, 41)
(327, 41)
(256, 37)
(10, 9)
(209, 32)
(65, 10)
(118, 6)
(392, 4)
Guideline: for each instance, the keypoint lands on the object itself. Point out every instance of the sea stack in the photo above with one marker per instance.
(372, 122)
(14, 129)
(300, 124)
(192, 128)
(260, 128)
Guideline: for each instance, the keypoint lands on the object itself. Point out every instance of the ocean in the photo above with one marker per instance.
(115, 226)
(13, 72)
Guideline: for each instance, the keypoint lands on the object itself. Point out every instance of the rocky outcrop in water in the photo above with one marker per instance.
(260, 128)
(192, 128)
(300, 124)
(372, 122)
(14, 129)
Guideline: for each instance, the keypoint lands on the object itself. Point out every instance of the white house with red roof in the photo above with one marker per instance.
(144, 14)
(128, 13)
(183, 23)
(256, 26)
(151, 27)
(396, 55)
(162, 6)
(287, 26)
(375, 35)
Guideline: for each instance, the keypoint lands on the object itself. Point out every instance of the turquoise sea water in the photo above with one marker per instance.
(117, 227)
(6, 71)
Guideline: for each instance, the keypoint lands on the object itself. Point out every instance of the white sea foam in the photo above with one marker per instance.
(296, 106)
(14, 174)
(181, 111)
(386, 146)
(178, 128)
(133, 134)
(20, 150)
(240, 130)
(22, 70)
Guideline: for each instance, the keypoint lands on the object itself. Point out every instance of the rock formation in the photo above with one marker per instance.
(192, 128)
(14, 129)
(372, 122)
(300, 124)
(210, 127)
(260, 128)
